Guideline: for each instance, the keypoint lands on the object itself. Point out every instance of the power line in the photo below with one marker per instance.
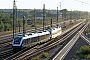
(82, 2)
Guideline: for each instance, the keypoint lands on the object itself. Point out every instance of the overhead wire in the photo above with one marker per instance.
(82, 2)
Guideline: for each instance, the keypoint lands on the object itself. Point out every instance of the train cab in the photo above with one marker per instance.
(16, 44)
(56, 32)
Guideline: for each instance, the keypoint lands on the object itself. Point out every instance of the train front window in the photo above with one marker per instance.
(17, 40)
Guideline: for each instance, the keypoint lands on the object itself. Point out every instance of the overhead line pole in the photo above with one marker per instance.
(60, 11)
(16, 18)
(24, 25)
(57, 17)
(60, 8)
(43, 16)
(35, 19)
(15, 25)
(13, 16)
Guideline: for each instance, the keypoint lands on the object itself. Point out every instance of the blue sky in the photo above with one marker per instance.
(50, 4)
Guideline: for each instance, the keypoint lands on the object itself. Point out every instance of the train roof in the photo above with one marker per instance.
(43, 33)
(31, 35)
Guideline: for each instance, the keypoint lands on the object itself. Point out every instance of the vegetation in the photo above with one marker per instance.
(88, 30)
(73, 14)
(42, 56)
(32, 25)
(6, 22)
(6, 17)
(48, 27)
(84, 52)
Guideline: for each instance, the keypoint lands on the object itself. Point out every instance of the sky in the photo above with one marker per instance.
(49, 4)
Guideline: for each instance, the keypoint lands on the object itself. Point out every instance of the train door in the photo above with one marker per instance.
(50, 31)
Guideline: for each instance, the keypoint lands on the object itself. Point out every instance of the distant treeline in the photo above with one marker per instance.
(6, 16)
(6, 22)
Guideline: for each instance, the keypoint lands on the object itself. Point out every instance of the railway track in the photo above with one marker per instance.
(56, 42)
(6, 40)
(85, 38)
(7, 50)
(43, 47)
(62, 53)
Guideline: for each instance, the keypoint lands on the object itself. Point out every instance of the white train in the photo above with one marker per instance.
(21, 41)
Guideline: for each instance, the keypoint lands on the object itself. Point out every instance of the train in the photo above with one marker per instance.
(22, 41)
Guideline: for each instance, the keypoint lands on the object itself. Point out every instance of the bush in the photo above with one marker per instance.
(44, 55)
(48, 27)
(88, 30)
(36, 58)
(84, 52)
(88, 57)
(32, 25)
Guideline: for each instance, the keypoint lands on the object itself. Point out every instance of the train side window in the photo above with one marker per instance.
(26, 41)
(29, 40)
(23, 42)
(40, 32)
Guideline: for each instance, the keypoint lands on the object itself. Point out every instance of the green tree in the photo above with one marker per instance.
(1, 26)
(7, 27)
